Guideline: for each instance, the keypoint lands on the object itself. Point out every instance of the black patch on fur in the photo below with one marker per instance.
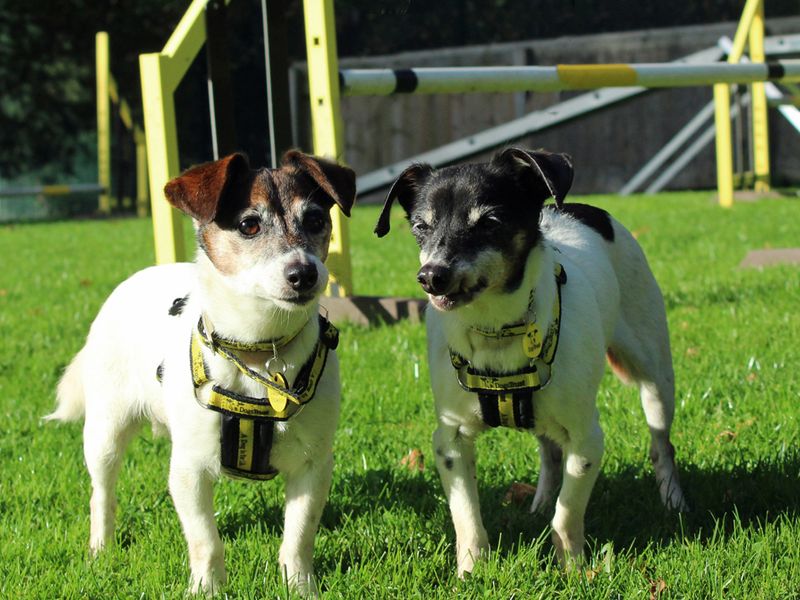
(448, 464)
(177, 305)
(593, 217)
(160, 372)
(510, 215)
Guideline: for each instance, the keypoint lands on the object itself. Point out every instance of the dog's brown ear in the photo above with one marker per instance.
(199, 191)
(552, 172)
(337, 181)
(404, 189)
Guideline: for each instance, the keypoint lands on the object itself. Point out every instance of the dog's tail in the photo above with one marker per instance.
(70, 398)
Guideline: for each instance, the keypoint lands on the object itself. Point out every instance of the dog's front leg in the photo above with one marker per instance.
(581, 467)
(192, 489)
(455, 461)
(306, 494)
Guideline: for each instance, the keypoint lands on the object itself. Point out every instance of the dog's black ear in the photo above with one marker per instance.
(552, 173)
(404, 189)
(337, 181)
(199, 191)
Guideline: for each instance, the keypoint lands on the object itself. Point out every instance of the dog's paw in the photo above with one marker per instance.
(542, 501)
(208, 584)
(304, 584)
(469, 555)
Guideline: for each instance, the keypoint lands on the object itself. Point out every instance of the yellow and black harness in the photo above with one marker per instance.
(247, 422)
(506, 399)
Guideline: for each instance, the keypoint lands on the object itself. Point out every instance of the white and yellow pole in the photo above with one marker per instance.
(328, 135)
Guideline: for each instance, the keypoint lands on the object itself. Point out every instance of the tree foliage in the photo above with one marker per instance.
(47, 53)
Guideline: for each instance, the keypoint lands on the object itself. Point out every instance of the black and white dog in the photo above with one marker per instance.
(530, 301)
(236, 332)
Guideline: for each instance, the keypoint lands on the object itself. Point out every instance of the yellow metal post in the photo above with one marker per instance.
(722, 109)
(323, 84)
(142, 196)
(758, 105)
(162, 155)
(722, 122)
(103, 121)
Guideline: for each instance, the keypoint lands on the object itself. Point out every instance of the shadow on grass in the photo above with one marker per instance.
(624, 508)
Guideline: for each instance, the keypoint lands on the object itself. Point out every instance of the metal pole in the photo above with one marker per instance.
(276, 61)
(758, 105)
(103, 121)
(162, 155)
(220, 90)
(323, 86)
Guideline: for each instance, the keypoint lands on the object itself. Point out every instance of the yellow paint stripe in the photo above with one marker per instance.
(245, 458)
(505, 406)
(55, 190)
(596, 76)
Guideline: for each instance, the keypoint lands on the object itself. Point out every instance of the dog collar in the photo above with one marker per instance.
(506, 399)
(208, 334)
(248, 422)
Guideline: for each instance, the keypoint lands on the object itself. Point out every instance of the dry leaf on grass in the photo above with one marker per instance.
(85, 282)
(637, 233)
(518, 493)
(726, 435)
(751, 377)
(656, 588)
(3, 293)
(692, 352)
(414, 460)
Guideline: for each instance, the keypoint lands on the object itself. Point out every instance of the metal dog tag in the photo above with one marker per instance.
(532, 341)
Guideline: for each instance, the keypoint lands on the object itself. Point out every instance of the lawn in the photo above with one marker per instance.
(386, 531)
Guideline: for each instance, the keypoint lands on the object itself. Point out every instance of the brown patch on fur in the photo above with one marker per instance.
(220, 194)
(199, 191)
(618, 367)
(337, 181)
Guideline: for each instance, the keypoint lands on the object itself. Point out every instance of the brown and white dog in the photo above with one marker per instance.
(262, 240)
(497, 266)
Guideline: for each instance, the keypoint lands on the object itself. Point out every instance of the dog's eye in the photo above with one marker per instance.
(249, 226)
(313, 222)
(419, 228)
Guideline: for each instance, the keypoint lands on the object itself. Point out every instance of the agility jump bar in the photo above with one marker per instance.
(53, 190)
(436, 80)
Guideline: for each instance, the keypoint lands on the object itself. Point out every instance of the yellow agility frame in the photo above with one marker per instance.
(107, 93)
(750, 29)
(161, 73)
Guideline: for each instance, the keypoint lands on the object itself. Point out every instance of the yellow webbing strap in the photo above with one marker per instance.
(526, 379)
(477, 382)
(280, 403)
(261, 346)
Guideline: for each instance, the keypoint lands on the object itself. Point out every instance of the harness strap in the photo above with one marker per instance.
(280, 402)
(507, 399)
(248, 423)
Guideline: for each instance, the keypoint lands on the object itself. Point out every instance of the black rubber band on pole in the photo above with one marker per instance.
(775, 71)
(406, 81)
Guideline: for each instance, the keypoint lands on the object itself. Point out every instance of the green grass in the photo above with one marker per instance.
(386, 531)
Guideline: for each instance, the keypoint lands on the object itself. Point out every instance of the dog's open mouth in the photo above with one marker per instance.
(461, 297)
(301, 299)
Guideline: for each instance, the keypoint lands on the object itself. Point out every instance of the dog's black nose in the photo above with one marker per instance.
(301, 276)
(435, 279)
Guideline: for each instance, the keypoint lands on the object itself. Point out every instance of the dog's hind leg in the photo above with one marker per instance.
(647, 362)
(105, 438)
(306, 494)
(455, 461)
(582, 457)
(550, 467)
